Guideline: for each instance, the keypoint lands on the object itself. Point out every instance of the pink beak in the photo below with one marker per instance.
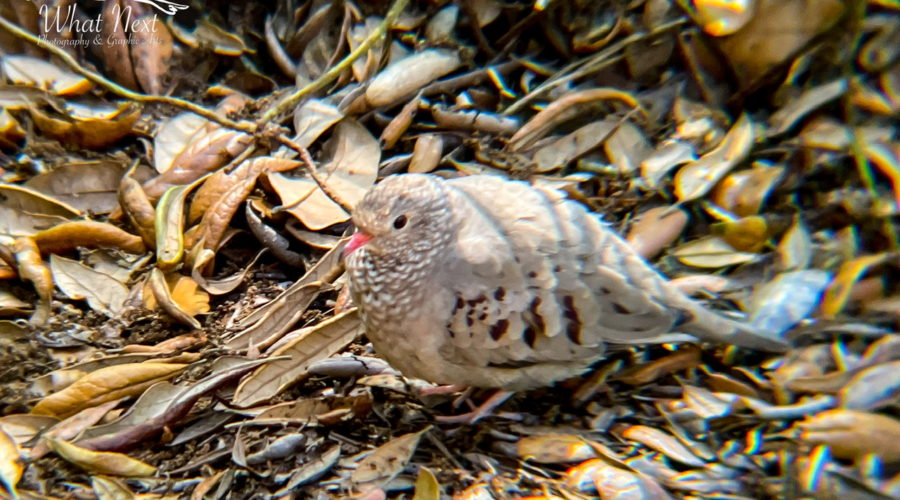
(357, 240)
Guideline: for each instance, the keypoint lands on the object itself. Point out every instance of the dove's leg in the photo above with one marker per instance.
(483, 410)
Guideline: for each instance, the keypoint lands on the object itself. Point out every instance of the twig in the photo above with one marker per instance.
(335, 71)
(118, 89)
(311, 168)
(591, 64)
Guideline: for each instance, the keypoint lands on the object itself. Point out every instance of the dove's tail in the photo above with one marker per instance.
(709, 325)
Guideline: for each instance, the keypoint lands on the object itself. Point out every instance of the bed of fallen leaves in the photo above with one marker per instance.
(176, 184)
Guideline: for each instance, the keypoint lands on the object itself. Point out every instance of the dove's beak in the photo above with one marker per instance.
(358, 239)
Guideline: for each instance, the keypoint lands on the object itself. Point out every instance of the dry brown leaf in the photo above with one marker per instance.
(90, 234)
(564, 109)
(743, 193)
(306, 347)
(426, 154)
(210, 149)
(138, 209)
(656, 229)
(405, 77)
(685, 358)
(161, 294)
(749, 234)
(572, 146)
(777, 31)
(103, 293)
(554, 448)
(105, 384)
(268, 323)
(174, 136)
(25, 212)
(711, 252)
(11, 464)
(697, 178)
(351, 171)
(33, 269)
(101, 462)
(29, 70)
(88, 127)
(86, 185)
(385, 462)
(151, 51)
(854, 434)
(662, 442)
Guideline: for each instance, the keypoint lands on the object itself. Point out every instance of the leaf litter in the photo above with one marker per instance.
(748, 150)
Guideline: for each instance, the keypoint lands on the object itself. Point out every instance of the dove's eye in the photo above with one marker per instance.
(400, 222)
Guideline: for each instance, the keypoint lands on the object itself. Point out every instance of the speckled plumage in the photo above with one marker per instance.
(488, 282)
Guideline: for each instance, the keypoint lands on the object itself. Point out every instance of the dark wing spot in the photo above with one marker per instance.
(683, 316)
(482, 316)
(498, 329)
(536, 319)
(532, 274)
(530, 336)
(470, 321)
(459, 303)
(573, 331)
(477, 300)
(619, 308)
(573, 326)
(500, 293)
(604, 290)
(569, 309)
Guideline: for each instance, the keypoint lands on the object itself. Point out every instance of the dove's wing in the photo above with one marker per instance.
(540, 280)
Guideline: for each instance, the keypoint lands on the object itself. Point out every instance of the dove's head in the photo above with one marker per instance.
(404, 229)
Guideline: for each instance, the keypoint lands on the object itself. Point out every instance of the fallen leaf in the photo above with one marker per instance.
(101, 462)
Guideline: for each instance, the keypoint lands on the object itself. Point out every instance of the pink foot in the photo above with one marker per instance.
(483, 410)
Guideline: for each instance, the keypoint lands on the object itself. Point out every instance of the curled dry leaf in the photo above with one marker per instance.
(33, 269)
(427, 486)
(711, 252)
(103, 293)
(214, 147)
(181, 307)
(687, 357)
(406, 76)
(115, 51)
(743, 193)
(312, 119)
(853, 434)
(36, 72)
(489, 123)
(426, 154)
(105, 384)
(101, 462)
(11, 133)
(697, 178)
(782, 120)
(305, 348)
(169, 224)
(90, 234)
(668, 155)
(173, 136)
(207, 34)
(86, 126)
(627, 148)
(656, 229)
(385, 462)
(24, 212)
(138, 209)
(748, 234)
(554, 448)
(562, 110)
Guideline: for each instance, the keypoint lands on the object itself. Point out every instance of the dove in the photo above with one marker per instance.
(494, 283)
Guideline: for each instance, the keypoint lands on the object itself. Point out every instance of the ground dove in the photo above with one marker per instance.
(495, 283)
